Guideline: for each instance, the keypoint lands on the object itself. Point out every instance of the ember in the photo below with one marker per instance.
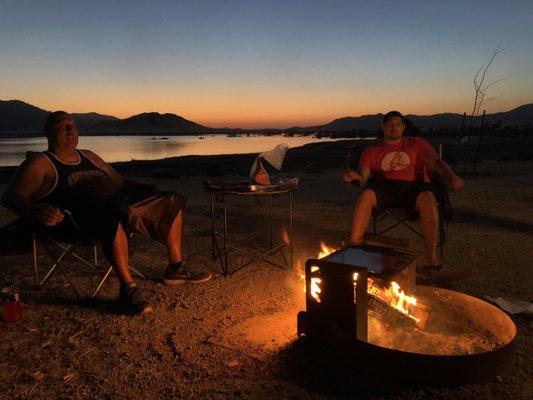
(451, 331)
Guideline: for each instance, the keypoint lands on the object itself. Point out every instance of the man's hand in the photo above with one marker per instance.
(349, 175)
(50, 215)
(455, 183)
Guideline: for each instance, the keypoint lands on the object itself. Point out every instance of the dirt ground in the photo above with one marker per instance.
(235, 337)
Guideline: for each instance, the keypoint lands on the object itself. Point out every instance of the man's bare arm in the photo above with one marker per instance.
(27, 182)
(124, 184)
(437, 164)
(349, 175)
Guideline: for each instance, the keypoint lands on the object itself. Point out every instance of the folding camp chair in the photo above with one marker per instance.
(60, 249)
(401, 218)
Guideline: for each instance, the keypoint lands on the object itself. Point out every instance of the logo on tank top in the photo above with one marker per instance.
(79, 176)
(395, 161)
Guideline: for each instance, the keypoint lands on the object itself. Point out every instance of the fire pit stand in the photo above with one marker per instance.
(337, 285)
(465, 339)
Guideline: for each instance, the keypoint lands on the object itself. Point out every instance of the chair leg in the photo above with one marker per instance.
(137, 272)
(102, 281)
(66, 250)
(35, 255)
(106, 275)
(56, 264)
(441, 244)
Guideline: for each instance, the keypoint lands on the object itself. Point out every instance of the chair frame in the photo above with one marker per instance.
(402, 219)
(66, 250)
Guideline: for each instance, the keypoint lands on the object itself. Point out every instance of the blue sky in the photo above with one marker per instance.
(263, 63)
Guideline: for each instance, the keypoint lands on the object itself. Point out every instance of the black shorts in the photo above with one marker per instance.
(152, 216)
(397, 194)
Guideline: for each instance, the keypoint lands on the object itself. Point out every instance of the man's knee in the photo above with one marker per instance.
(426, 199)
(368, 198)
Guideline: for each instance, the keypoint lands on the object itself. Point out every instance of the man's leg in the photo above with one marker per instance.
(176, 272)
(173, 241)
(426, 205)
(130, 297)
(119, 256)
(366, 202)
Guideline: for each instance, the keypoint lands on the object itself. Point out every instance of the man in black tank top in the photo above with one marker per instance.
(67, 189)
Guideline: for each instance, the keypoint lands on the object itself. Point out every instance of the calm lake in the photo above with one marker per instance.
(126, 148)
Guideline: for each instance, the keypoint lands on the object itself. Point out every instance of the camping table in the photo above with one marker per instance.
(222, 250)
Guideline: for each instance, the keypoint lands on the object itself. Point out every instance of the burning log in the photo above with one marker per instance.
(396, 318)
(396, 307)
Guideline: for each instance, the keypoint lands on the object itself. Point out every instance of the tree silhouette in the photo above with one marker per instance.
(480, 87)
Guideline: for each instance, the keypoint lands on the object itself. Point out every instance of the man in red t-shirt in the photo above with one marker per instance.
(399, 166)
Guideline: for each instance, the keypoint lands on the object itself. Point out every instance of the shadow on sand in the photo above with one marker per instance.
(480, 218)
(317, 369)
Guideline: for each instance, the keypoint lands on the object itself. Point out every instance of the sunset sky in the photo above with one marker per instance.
(263, 63)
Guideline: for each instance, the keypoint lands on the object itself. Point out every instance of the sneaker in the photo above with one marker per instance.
(131, 300)
(180, 275)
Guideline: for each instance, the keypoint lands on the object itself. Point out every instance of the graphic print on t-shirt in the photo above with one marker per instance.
(395, 161)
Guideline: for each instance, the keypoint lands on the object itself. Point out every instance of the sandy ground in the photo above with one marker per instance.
(235, 337)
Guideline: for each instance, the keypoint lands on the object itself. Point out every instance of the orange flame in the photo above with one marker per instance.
(300, 273)
(285, 237)
(325, 250)
(393, 295)
(315, 288)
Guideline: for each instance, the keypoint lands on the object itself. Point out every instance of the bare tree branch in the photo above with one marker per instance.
(495, 82)
(480, 91)
(490, 99)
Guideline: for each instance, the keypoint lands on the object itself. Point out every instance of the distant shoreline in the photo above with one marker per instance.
(39, 134)
(34, 134)
(130, 148)
(312, 157)
(232, 164)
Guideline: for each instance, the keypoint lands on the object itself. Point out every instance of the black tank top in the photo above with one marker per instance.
(80, 184)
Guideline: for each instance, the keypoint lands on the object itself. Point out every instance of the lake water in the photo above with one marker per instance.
(126, 148)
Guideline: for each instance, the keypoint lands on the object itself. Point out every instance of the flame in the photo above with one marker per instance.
(300, 273)
(393, 295)
(315, 288)
(325, 250)
(285, 237)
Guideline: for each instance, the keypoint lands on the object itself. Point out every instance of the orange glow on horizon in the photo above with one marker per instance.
(272, 109)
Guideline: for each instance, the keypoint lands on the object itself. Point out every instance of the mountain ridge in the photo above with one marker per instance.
(19, 116)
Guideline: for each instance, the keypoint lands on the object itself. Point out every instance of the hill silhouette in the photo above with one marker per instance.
(519, 116)
(152, 122)
(18, 116)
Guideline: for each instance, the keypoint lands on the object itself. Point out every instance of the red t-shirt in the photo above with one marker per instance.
(404, 160)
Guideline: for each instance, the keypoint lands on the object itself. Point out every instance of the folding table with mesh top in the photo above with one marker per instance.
(252, 251)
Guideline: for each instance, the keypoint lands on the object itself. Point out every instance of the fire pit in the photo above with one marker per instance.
(363, 302)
